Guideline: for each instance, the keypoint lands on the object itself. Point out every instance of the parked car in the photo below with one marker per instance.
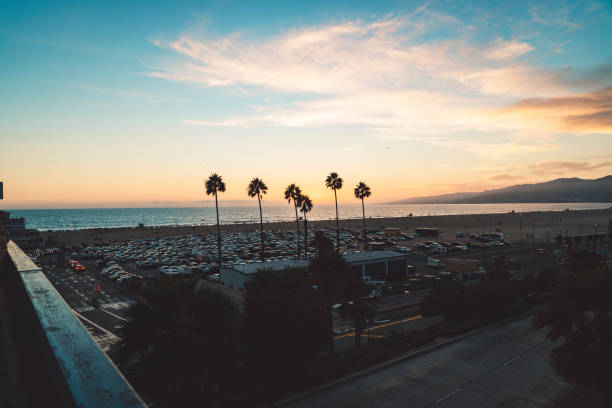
(439, 250)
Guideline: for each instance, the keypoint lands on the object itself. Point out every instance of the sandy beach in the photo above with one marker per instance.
(514, 225)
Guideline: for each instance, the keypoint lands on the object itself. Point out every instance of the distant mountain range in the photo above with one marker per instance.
(562, 190)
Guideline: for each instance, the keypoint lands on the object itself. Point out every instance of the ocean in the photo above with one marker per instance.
(68, 219)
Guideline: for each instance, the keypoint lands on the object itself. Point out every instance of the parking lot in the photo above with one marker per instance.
(115, 268)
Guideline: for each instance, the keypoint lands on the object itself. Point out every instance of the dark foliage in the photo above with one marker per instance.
(3, 242)
(491, 299)
(581, 317)
(284, 327)
(329, 274)
(179, 346)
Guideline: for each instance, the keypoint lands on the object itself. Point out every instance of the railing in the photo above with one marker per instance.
(58, 363)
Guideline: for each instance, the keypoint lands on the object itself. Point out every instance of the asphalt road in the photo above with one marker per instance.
(505, 366)
(103, 321)
(400, 301)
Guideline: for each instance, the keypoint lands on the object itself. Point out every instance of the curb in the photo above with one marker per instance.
(403, 357)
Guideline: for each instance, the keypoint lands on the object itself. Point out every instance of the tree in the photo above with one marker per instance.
(335, 183)
(179, 344)
(580, 317)
(284, 326)
(329, 274)
(214, 186)
(363, 191)
(305, 208)
(492, 299)
(3, 242)
(256, 189)
(358, 309)
(293, 193)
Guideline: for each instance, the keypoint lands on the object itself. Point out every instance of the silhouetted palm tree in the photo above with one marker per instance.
(305, 207)
(363, 191)
(256, 189)
(293, 193)
(335, 183)
(215, 185)
(185, 331)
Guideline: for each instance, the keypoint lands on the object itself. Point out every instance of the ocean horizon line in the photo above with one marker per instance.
(88, 218)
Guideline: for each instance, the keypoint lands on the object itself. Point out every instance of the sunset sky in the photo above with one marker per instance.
(135, 104)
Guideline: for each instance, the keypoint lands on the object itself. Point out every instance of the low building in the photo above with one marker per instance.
(236, 276)
(18, 232)
(391, 231)
(372, 267)
(378, 266)
(461, 265)
(428, 232)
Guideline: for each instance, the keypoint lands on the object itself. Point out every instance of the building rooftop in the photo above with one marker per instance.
(282, 264)
(372, 256)
(279, 265)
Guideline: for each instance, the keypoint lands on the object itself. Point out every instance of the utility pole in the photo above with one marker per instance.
(521, 229)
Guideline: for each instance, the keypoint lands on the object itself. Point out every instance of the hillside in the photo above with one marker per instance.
(562, 190)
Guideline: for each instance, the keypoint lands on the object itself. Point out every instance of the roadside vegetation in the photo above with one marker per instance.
(579, 316)
(187, 346)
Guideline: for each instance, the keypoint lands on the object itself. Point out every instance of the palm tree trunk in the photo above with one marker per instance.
(365, 234)
(261, 227)
(337, 224)
(297, 227)
(218, 236)
(305, 237)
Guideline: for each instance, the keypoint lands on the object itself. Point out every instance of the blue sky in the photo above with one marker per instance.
(138, 102)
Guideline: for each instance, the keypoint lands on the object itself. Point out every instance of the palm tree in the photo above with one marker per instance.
(257, 188)
(363, 191)
(305, 208)
(293, 193)
(197, 327)
(215, 185)
(335, 183)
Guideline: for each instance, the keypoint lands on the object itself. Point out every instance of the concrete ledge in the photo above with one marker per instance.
(61, 364)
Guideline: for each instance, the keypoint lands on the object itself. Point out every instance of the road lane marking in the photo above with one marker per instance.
(97, 326)
(114, 315)
(512, 360)
(447, 396)
(380, 326)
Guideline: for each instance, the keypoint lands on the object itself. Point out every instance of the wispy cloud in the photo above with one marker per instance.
(504, 50)
(382, 75)
(506, 177)
(587, 113)
(571, 167)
